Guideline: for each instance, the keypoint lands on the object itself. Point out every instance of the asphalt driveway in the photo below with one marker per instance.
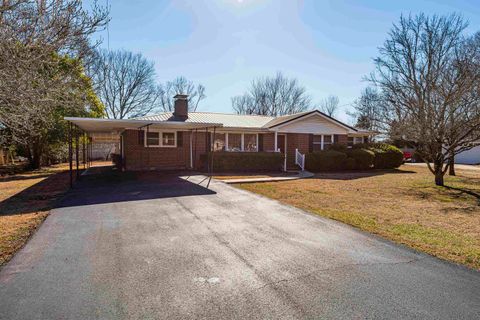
(170, 248)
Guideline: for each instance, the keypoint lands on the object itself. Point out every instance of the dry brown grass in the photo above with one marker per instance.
(25, 200)
(402, 205)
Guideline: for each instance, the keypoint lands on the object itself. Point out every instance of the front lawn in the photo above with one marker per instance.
(25, 199)
(402, 205)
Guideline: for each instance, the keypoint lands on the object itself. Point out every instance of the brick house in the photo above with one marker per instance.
(177, 140)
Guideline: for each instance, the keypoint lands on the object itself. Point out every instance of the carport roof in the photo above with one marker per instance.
(112, 125)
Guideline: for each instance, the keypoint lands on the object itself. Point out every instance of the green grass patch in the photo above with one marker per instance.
(438, 240)
(354, 219)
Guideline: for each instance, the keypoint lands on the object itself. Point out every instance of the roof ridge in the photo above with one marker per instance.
(233, 114)
(210, 112)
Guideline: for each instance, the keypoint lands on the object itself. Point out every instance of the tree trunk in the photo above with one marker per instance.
(451, 165)
(438, 174)
(36, 160)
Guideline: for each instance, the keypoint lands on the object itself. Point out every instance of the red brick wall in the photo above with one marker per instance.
(343, 139)
(268, 142)
(139, 157)
(298, 141)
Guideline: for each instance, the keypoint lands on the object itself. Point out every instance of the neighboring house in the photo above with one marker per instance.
(104, 144)
(176, 140)
(471, 156)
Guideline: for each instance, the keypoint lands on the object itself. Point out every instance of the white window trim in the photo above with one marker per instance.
(160, 139)
(242, 140)
(322, 140)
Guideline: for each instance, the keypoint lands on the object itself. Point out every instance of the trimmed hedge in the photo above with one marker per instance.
(244, 161)
(364, 158)
(349, 164)
(387, 156)
(360, 157)
(325, 160)
(338, 147)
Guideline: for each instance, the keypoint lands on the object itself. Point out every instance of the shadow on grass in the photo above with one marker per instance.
(352, 175)
(465, 191)
(20, 177)
(10, 169)
(38, 197)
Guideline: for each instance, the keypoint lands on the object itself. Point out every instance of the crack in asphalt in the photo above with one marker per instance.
(273, 283)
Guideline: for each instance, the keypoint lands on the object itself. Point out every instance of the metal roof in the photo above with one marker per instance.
(202, 119)
(228, 120)
(110, 125)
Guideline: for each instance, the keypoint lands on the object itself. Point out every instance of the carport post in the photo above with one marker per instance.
(70, 153)
(212, 150)
(83, 149)
(195, 150)
(207, 146)
(77, 154)
(87, 152)
(91, 150)
(89, 144)
(191, 148)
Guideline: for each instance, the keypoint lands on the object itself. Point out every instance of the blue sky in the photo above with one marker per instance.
(224, 44)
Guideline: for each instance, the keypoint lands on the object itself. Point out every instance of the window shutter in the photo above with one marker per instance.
(260, 142)
(310, 143)
(141, 137)
(179, 139)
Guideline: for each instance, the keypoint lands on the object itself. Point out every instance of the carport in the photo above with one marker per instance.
(81, 130)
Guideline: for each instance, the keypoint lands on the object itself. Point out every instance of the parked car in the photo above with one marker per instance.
(408, 156)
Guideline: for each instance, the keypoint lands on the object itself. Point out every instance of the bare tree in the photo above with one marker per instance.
(273, 96)
(368, 111)
(428, 74)
(329, 105)
(180, 85)
(125, 82)
(41, 75)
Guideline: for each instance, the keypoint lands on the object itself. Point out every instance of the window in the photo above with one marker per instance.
(219, 142)
(234, 142)
(327, 141)
(168, 139)
(160, 139)
(321, 142)
(250, 142)
(350, 142)
(153, 139)
(358, 140)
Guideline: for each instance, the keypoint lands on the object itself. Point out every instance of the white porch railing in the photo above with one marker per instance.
(300, 159)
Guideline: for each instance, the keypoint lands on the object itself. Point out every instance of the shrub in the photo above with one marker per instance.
(338, 147)
(349, 164)
(386, 156)
(56, 153)
(244, 161)
(325, 160)
(364, 158)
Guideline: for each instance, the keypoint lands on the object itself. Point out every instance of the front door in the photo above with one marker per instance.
(281, 142)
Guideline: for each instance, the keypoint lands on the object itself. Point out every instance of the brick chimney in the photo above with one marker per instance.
(181, 107)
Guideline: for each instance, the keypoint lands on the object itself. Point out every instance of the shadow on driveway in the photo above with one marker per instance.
(112, 186)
